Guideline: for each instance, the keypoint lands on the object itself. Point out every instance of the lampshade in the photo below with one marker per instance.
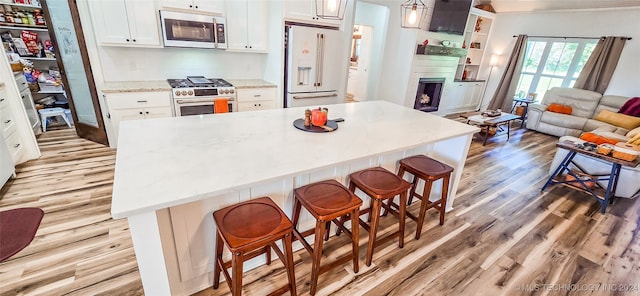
(494, 60)
(331, 9)
(413, 12)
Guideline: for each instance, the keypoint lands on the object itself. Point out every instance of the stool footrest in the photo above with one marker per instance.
(342, 260)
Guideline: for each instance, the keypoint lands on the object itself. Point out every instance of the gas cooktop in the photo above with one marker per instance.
(198, 82)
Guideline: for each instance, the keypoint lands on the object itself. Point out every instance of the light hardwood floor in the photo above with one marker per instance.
(502, 235)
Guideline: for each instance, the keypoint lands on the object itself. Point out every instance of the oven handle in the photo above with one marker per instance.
(199, 101)
(317, 96)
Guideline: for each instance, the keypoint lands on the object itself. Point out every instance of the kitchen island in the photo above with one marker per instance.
(172, 173)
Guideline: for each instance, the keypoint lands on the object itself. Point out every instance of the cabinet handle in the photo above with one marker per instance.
(7, 121)
(250, 46)
(127, 39)
(140, 112)
(190, 6)
(23, 97)
(1, 100)
(147, 112)
(24, 83)
(255, 96)
(134, 40)
(16, 145)
(141, 101)
(196, 6)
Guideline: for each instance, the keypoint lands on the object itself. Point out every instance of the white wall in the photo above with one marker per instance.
(591, 23)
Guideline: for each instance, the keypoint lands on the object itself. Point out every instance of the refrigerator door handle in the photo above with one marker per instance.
(314, 96)
(316, 82)
(321, 60)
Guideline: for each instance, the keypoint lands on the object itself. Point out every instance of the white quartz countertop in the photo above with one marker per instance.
(250, 83)
(135, 86)
(166, 162)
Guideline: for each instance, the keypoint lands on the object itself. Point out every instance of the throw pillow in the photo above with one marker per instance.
(635, 140)
(559, 108)
(631, 107)
(593, 138)
(618, 119)
(632, 133)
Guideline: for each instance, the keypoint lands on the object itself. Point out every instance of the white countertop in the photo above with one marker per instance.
(250, 83)
(135, 86)
(171, 161)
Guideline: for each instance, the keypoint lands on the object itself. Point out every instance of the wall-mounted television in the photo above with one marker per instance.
(450, 16)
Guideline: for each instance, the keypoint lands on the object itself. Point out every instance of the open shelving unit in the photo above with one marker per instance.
(476, 36)
(43, 64)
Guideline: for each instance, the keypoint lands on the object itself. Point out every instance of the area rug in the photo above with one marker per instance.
(17, 229)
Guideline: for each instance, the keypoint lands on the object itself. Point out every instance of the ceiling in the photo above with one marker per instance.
(537, 5)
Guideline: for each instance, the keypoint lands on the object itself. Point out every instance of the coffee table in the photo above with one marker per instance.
(486, 123)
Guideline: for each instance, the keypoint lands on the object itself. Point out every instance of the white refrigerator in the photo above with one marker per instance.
(313, 66)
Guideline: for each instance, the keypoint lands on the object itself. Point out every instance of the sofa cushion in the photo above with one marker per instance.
(564, 120)
(617, 119)
(595, 125)
(559, 108)
(583, 102)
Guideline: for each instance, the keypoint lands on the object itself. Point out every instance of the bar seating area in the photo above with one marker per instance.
(251, 228)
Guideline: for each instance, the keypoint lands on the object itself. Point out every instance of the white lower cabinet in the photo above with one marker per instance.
(463, 96)
(254, 99)
(137, 105)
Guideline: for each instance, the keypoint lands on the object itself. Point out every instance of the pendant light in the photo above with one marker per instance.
(331, 9)
(413, 12)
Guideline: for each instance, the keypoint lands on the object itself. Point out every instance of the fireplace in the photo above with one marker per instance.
(428, 94)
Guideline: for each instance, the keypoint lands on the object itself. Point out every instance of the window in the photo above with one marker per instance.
(551, 62)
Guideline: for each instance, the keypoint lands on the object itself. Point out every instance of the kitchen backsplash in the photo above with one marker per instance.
(135, 64)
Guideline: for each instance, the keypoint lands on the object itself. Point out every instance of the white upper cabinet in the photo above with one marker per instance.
(305, 10)
(247, 25)
(199, 6)
(125, 22)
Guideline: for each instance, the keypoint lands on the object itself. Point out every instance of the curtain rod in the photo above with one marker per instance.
(628, 38)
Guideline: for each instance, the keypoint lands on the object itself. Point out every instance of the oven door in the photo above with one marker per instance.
(186, 107)
(193, 30)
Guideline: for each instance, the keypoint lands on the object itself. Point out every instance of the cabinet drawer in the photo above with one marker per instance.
(14, 143)
(138, 100)
(257, 94)
(7, 123)
(255, 106)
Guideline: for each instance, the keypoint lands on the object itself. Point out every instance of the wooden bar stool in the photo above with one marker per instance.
(429, 170)
(326, 201)
(249, 229)
(380, 185)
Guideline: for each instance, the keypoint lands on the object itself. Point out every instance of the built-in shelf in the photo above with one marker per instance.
(38, 59)
(23, 5)
(11, 26)
(51, 92)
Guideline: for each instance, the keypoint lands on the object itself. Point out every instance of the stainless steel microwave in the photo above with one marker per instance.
(181, 29)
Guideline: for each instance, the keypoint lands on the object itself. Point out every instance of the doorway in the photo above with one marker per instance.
(359, 63)
(73, 61)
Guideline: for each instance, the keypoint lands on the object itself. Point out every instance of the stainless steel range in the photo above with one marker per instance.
(198, 95)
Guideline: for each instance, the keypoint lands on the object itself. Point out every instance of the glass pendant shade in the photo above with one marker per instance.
(413, 13)
(331, 9)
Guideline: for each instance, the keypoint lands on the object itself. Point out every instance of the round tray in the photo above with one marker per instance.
(299, 124)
